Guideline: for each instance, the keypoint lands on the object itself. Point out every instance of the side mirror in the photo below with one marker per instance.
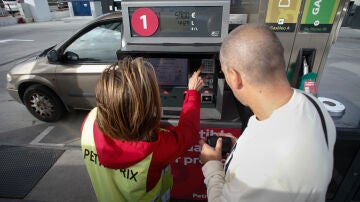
(52, 56)
(71, 56)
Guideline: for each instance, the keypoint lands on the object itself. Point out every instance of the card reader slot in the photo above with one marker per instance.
(171, 113)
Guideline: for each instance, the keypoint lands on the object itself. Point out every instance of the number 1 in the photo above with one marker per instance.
(143, 18)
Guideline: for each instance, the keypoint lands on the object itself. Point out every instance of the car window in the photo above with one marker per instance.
(98, 45)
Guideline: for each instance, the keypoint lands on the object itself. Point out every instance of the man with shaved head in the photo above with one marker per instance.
(285, 153)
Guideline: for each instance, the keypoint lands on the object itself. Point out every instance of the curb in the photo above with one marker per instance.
(9, 20)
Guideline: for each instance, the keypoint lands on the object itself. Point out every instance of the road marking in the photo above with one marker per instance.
(350, 48)
(21, 40)
(42, 135)
(21, 58)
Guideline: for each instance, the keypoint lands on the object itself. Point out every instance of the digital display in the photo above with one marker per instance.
(179, 21)
(170, 71)
(176, 21)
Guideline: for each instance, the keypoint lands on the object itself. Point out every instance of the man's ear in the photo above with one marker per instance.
(234, 78)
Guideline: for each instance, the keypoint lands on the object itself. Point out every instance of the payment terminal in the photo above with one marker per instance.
(173, 71)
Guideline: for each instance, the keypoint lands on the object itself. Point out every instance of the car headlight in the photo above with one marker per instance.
(8, 77)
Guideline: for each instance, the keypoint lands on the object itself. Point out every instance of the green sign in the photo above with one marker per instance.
(318, 15)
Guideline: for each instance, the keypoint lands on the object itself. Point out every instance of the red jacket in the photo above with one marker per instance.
(171, 143)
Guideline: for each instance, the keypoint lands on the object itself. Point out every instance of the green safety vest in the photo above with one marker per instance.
(121, 184)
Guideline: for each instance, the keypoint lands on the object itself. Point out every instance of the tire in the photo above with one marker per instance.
(43, 103)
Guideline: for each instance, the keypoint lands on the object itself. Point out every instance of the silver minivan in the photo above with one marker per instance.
(63, 77)
(11, 5)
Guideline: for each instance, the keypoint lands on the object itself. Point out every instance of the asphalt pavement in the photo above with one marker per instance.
(67, 179)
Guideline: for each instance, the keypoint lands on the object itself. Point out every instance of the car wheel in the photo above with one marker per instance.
(43, 103)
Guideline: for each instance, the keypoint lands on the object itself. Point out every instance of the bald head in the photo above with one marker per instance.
(255, 52)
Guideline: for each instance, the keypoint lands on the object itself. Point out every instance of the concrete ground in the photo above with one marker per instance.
(341, 77)
(7, 19)
(67, 180)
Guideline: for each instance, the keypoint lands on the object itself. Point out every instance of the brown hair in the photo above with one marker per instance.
(128, 100)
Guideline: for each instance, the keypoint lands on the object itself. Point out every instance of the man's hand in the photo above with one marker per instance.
(195, 81)
(233, 138)
(209, 153)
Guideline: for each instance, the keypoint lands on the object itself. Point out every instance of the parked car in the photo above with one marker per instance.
(63, 77)
(11, 5)
(62, 4)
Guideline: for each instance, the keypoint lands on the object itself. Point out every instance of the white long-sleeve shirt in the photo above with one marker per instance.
(282, 158)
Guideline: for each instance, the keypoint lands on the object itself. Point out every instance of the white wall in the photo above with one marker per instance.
(96, 9)
(39, 9)
(71, 11)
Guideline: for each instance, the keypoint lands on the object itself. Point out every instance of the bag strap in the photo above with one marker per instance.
(321, 117)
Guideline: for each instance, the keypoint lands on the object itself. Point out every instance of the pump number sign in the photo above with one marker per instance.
(144, 21)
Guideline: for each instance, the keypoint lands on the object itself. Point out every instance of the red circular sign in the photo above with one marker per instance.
(144, 21)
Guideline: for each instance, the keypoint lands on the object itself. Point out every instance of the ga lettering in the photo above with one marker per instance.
(316, 9)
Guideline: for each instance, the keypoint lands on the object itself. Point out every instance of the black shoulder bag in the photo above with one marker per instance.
(321, 117)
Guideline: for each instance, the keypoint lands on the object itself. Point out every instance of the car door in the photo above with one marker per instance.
(83, 60)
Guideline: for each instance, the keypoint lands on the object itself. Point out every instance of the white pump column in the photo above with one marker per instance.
(39, 9)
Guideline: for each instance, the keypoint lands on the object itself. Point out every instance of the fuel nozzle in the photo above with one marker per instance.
(305, 66)
(308, 80)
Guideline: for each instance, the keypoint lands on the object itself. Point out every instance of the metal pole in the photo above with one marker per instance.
(12, 13)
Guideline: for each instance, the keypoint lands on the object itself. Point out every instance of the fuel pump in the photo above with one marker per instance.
(179, 36)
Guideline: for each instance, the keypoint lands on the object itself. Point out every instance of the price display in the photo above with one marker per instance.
(181, 21)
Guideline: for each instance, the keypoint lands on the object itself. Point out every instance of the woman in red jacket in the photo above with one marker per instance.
(126, 153)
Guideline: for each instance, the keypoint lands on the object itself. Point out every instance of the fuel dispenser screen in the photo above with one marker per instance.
(171, 71)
